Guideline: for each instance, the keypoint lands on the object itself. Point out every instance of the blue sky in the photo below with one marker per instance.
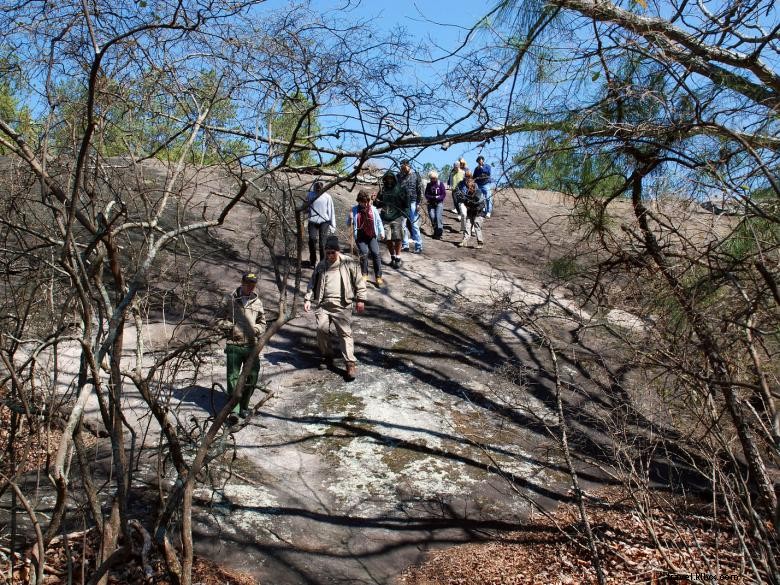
(446, 23)
(451, 18)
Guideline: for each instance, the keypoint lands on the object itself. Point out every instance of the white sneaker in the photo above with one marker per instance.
(487, 216)
(464, 243)
(455, 211)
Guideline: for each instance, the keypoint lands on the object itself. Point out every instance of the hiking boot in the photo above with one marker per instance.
(487, 216)
(398, 262)
(244, 413)
(379, 281)
(325, 363)
(479, 245)
(405, 248)
(418, 250)
(351, 372)
(464, 242)
(232, 419)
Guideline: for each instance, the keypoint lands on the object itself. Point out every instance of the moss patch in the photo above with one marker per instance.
(398, 458)
(341, 401)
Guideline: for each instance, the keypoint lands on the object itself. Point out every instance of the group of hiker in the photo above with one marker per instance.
(400, 199)
(338, 283)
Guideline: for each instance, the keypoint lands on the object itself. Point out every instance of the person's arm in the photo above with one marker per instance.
(260, 322)
(331, 215)
(359, 286)
(380, 226)
(309, 291)
(224, 320)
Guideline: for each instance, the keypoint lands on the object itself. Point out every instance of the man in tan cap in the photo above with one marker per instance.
(336, 284)
(242, 322)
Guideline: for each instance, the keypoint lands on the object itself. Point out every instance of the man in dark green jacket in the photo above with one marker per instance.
(394, 205)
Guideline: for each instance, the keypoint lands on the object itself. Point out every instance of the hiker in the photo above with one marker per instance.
(394, 205)
(242, 321)
(322, 221)
(457, 174)
(473, 201)
(482, 178)
(459, 190)
(409, 181)
(334, 286)
(435, 194)
(367, 230)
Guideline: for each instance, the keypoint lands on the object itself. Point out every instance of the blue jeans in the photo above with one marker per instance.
(488, 193)
(435, 214)
(414, 222)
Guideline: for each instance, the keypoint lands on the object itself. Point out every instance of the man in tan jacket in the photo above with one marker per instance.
(336, 284)
(242, 322)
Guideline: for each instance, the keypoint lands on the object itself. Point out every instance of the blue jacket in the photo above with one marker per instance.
(379, 227)
(482, 175)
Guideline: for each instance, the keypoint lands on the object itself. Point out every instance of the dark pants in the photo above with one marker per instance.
(368, 246)
(236, 354)
(317, 232)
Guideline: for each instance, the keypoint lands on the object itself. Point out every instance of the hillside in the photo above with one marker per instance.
(449, 435)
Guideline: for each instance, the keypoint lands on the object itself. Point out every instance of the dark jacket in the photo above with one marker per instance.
(412, 184)
(435, 194)
(474, 202)
(394, 202)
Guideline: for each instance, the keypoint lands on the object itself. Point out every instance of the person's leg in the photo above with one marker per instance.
(236, 354)
(405, 235)
(455, 206)
(373, 247)
(323, 332)
(324, 229)
(233, 360)
(432, 218)
(478, 228)
(342, 321)
(415, 222)
(463, 214)
(438, 213)
(362, 246)
(314, 234)
(251, 382)
(487, 192)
